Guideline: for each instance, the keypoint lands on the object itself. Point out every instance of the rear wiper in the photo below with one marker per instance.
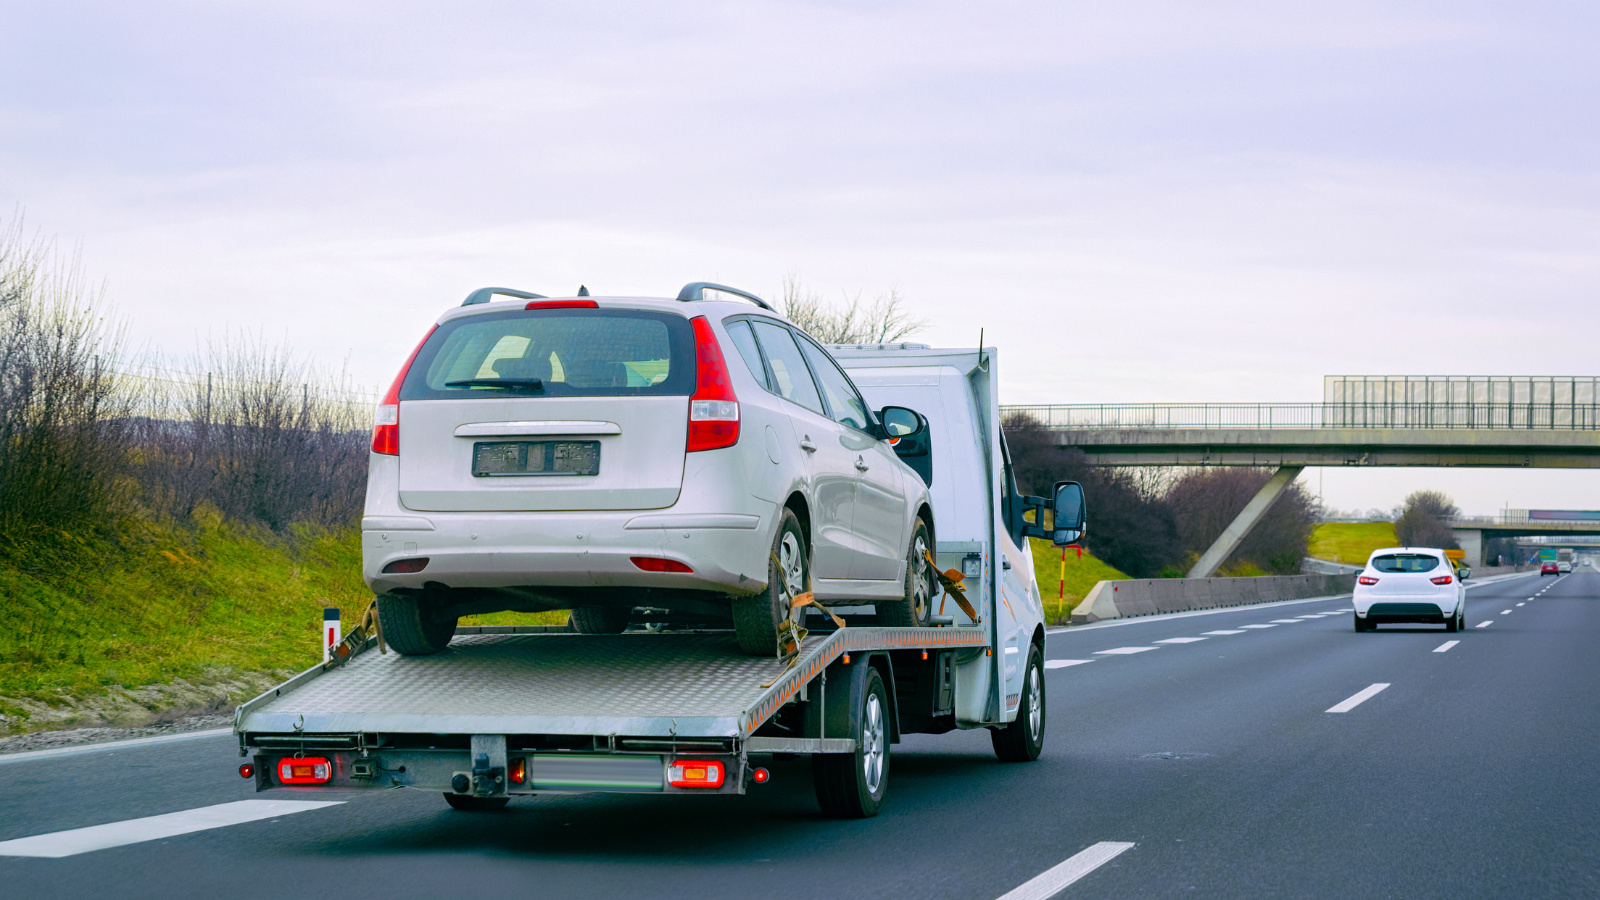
(508, 384)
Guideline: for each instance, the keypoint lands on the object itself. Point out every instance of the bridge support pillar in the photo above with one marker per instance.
(1471, 541)
(1244, 523)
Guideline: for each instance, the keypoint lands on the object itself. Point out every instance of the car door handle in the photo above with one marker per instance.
(807, 446)
(861, 464)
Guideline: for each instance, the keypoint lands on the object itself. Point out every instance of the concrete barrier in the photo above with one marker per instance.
(1149, 596)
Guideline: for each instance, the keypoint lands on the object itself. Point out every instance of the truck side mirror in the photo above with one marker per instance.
(1070, 521)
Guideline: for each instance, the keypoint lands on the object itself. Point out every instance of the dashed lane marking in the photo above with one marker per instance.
(117, 834)
(1519, 604)
(1505, 612)
(1287, 621)
(1484, 624)
(1258, 626)
(1063, 663)
(1054, 880)
(1225, 632)
(1179, 640)
(1312, 616)
(1123, 651)
(1445, 646)
(1357, 698)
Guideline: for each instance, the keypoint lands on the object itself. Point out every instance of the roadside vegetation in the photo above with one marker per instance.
(1351, 543)
(1063, 587)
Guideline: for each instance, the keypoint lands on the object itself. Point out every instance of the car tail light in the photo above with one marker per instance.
(714, 408)
(305, 770)
(406, 566)
(1442, 579)
(386, 424)
(657, 564)
(1366, 579)
(519, 770)
(694, 773)
(562, 304)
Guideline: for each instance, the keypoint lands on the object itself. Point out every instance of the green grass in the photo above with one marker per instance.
(1081, 577)
(1351, 542)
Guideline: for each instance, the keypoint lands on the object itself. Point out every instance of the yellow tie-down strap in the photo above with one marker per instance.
(953, 583)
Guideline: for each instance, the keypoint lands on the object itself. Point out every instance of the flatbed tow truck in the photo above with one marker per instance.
(508, 711)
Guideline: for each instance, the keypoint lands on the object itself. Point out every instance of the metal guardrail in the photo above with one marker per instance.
(1097, 416)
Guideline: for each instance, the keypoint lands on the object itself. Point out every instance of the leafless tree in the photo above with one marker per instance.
(1424, 521)
(1206, 500)
(884, 321)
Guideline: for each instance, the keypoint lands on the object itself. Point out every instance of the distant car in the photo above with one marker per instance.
(1564, 567)
(1549, 568)
(1409, 584)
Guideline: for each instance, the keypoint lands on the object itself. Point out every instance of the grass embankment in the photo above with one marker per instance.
(1081, 577)
(210, 611)
(1351, 542)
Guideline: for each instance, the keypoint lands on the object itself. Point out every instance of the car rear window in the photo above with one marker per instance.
(555, 353)
(1405, 562)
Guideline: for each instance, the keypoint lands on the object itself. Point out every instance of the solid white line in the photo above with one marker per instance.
(1127, 650)
(1258, 626)
(1226, 632)
(1055, 879)
(1484, 624)
(134, 831)
(1357, 699)
(1445, 646)
(1063, 663)
(109, 745)
(1180, 640)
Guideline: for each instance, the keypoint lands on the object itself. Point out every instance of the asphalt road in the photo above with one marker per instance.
(1473, 774)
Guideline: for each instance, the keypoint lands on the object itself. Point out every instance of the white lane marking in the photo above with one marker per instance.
(1122, 651)
(1357, 698)
(1225, 632)
(1505, 612)
(1445, 646)
(1484, 624)
(1519, 604)
(1344, 610)
(1063, 663)
(134, 831)
(1179, 640)
(1057, 878)
(109, 745)
(1258, 626)
(1312, 616)
(1287, 621)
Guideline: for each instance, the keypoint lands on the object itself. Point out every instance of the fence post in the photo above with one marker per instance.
(330, 632)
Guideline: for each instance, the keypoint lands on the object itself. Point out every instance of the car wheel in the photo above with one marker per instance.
(469, 803)
(916, 607)
(852, 785)
(1022, 740)
(756, 618)
(1453, 624)
(413, 625)
(599, 619)
(1362, 624)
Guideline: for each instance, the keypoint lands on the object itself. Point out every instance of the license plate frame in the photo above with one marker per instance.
(502, 459)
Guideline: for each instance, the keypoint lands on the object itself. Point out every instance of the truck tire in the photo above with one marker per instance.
(1022, 740)
(410, 625)
(756, 618)
(599, 619)
(916, 607)
(469, 803)
(852, 785)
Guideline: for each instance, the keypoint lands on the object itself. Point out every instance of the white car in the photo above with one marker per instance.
(1565, 568)
(699, 458)
(1410, 584)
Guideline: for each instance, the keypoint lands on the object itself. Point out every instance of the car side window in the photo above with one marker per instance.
(739, 331)
(788, 368)
(847, 406)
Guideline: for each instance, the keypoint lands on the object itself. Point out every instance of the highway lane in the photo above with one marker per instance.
(1472, 775)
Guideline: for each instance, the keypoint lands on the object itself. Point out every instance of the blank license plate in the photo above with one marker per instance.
(535, 458)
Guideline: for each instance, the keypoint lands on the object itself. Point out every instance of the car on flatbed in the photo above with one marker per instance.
(697, 460)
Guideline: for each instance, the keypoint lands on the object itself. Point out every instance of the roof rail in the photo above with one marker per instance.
(694, 291)
(484, 295)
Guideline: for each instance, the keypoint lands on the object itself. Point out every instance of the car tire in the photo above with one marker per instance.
(412, 625)
(1362, 624)
(916, 608)
(852, 785)
(1453, 624)
(469, 803)
(1022, 740)
(599, 619)
(757, 617)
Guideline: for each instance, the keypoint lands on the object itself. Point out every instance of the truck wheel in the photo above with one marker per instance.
(914, 609)
(1022, 740)
(599, 619)
(469, 803)
(412, 626)
(852, 785)
(756, 618)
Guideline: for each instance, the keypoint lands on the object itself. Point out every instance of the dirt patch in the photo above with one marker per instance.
(133, 709)
(45, 740)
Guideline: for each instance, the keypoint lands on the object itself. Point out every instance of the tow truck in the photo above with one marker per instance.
(512, 711)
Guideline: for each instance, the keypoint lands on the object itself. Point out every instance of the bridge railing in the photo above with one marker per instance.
(1097, 416)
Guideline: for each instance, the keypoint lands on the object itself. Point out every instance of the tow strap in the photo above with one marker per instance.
(951, 581)
(356, 637)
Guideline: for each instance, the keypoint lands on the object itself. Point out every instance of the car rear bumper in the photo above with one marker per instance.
(1409, 611)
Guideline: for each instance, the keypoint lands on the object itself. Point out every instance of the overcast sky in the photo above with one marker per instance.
(1137, 201)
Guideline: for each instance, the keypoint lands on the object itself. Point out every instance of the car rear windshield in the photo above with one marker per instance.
(1405, 562)
(555, 353)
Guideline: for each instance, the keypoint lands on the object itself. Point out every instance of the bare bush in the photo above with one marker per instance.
(1424, 521)
(884, 321)
(1206, 501)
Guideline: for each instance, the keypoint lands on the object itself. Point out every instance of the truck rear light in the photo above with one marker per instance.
(1442, 579)
(305, 770)
(247, 771)
(714, 408)
(386, 424)
(761, 776)
(406, 566)
(1366, 579)
(519, 770)
(657, 564)
(562, 304)
(694, 773)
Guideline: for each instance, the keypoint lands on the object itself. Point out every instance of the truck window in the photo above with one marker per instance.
(793, 378)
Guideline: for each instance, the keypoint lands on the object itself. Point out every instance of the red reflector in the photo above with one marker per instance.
(714, 408)
(654, 564)
(247, 771)
(406, 566)
(1366, 579)
(694, 773)
(305, 770)
(519, 770)
(562, 304)
(761, 776)
(1442, 579)
(386, 425)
